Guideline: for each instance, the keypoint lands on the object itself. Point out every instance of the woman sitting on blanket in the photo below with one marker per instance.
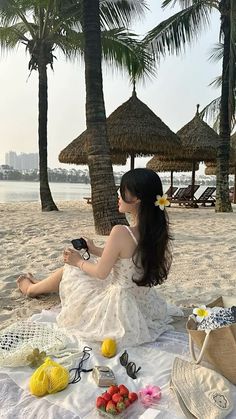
(116, 297)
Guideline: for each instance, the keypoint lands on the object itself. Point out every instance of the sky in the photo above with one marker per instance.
(180, 84)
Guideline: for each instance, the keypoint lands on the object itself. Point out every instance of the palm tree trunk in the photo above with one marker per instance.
(47, 202)
(222, 170)
(104, 195)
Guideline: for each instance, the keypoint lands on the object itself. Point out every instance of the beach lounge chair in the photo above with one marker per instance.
(178, 195)
(184, 194)
(171, 190)
(205, 198)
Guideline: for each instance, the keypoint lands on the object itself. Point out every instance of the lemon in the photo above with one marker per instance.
(108, 348)
(58, 378)
(39, 383)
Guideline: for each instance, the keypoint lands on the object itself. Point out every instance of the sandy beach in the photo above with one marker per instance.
(204, 253)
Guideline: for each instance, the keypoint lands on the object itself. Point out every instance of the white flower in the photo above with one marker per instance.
(162, 201)
(201, 312)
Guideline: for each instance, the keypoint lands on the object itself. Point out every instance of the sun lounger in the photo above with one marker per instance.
(178, 195)
(170, 191)
(205, 198)
(184, 194)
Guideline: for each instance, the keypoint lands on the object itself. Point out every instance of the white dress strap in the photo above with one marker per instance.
(132, 235)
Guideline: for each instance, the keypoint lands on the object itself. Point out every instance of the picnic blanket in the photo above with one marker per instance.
(78, 400)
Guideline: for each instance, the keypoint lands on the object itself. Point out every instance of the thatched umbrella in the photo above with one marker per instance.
(199, 142)
(134, 129)
(211, 169)
(162, 164)
(77, 152)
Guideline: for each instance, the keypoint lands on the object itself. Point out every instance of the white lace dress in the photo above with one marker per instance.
(115, 307)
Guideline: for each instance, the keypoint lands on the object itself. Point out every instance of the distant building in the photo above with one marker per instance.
(23, 161)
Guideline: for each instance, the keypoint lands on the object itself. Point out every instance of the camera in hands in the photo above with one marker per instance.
(80, 244)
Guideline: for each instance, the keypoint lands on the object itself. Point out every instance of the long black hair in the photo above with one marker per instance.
(153, 251)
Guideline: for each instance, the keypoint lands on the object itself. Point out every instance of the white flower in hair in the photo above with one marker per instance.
(162, 201)
(201, 312)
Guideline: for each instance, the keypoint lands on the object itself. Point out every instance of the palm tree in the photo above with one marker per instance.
(45, 25)
(104, 195)
(40, 27)
(172, 34)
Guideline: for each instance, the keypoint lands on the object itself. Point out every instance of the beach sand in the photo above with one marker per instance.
(204, 253)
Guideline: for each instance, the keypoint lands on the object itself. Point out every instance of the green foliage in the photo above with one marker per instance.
(182, 28)
(44, 26)
(172, 34)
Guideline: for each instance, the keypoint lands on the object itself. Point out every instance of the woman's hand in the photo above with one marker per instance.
(91, 245)
(72, 257)
(93, 249)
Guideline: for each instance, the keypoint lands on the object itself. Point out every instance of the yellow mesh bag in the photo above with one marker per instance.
(49, 378)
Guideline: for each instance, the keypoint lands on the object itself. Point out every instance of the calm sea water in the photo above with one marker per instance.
(11, 191)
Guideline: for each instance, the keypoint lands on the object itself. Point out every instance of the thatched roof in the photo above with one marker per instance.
(132, 128)
(211, 169)
(76, 152)
(199, 140)
(166, 165)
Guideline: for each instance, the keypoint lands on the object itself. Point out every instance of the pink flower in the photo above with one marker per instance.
(149, 395)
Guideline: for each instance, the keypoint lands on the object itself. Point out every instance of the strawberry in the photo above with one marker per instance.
(116, 398)
(120, 406)
(111, 408)
(101, 403)
(132, 397)
(127, 403)
(112, 390)
(123, 390)
(106, 396)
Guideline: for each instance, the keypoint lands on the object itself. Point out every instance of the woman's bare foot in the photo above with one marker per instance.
(25, 285)
(32, 278)
(29, 275)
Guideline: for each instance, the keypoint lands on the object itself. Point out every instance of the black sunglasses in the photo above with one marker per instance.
(129, 366)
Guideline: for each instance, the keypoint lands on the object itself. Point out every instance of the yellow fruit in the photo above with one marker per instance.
(58, 379)
(49, 378)
(39, 383)
(108, 348)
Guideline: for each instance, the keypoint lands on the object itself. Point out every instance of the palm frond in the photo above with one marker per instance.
(71, 43)
(14, 11)
(174, 33)
(217, 52)
(216, 82)
(120, 13)
(122, 50)
(211, 112)
(11, 36)
(183, 4)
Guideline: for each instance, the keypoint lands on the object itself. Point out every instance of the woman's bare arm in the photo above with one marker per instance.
(110, 254)
(93, 249)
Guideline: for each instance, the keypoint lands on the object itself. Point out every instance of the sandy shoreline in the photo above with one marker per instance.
(204, 252)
